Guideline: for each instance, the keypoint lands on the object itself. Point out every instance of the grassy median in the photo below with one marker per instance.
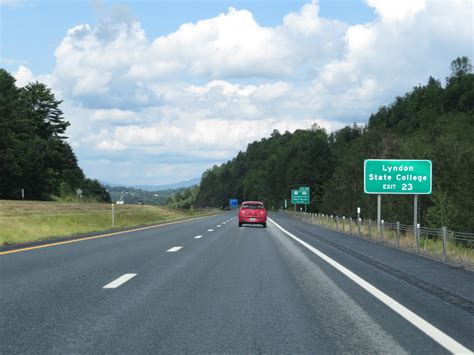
(28, 221)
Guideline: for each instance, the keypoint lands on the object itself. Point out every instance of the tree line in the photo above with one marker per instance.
(34, 153)
(431, 121)
(131, 195)
(184, 198)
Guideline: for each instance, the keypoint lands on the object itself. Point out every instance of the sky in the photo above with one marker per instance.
(159, 91)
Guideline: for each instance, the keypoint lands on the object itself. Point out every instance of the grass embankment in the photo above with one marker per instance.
(28, 221)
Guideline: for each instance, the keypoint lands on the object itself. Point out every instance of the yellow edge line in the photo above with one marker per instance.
(96, 236)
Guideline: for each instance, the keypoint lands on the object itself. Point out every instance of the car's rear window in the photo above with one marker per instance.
(253, 206)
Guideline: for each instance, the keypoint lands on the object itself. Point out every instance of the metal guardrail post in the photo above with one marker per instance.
(370, 228)
(444, 243)
(398, 234)
(381, 229)
(417, 233)
(350, 225)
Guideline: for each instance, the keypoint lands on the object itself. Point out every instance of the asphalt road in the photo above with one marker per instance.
(209, 286)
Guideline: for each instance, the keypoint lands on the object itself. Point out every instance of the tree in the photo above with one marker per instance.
(461, 66)
(44, 110)
(14, 133)
(34, 154)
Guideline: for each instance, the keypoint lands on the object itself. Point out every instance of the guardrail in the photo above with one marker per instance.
(437, 243)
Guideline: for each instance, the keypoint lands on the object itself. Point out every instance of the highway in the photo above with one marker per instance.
(207, 285)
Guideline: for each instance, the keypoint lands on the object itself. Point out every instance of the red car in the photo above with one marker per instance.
(252, 212)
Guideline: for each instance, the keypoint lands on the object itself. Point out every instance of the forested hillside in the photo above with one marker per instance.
(34, 153)
(130, 195)
(432, 121)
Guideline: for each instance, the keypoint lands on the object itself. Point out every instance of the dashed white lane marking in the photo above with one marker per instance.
(198, 237)
(210, 230)
(121, 280)
(218, 226)
(173, 249)
(434, 333)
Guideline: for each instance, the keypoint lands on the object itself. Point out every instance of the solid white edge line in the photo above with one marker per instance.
(173, 249)
(121, 280)
(434, 333)
(198, 237)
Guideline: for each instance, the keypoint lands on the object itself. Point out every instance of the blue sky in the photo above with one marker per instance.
(158, 91)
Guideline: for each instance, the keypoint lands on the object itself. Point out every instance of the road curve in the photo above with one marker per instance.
(209, 286)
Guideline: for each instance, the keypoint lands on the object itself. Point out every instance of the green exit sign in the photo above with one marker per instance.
(300, 196)
(390, 176)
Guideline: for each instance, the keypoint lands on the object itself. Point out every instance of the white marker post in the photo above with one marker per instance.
(113, 216)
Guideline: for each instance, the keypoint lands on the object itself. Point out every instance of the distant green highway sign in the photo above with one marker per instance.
(397, 176)
(300, 196)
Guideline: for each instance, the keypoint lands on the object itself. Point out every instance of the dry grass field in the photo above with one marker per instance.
(27, 221)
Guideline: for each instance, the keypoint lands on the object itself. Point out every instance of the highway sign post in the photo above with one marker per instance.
(402, 177)
(300, 197)
(305, 193)
(294, 197)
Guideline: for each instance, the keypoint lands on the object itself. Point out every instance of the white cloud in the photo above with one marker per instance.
(112, 145)
(224, 87)
(114, 115)
(397, 10)
(306, 21)
(23, 76)
(203, 92)
(231, 44)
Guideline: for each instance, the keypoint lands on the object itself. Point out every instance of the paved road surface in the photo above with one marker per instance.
(209, 286)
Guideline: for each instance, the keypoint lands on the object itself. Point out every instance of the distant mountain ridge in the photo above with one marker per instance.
(176, 185)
